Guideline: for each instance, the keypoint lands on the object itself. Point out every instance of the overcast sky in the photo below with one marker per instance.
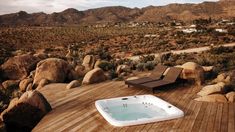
(49, 6)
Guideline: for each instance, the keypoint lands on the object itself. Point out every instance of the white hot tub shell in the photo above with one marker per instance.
(135, 110)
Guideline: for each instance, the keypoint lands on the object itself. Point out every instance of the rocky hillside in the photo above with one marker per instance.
(185, 12)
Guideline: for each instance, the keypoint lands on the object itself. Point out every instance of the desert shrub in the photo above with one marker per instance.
(4, 54)
(140, 66)
(231, 30)
(146, 58)
(220, 50)
(132, 64)
(4, 99)
(150, 65)
(221, 58)
(181, 41)
(162, 42)
(105, 55)
(138, 52)
(112, 74)
(102, 52)
(105, 65)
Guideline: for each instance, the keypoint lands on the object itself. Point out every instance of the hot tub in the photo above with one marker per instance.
(134, 110)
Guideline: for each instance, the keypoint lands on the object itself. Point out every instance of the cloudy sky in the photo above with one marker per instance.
(49, 6)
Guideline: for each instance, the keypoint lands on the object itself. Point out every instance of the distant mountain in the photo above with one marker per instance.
(184, 12)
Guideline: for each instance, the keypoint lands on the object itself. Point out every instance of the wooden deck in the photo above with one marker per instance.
(74, 110)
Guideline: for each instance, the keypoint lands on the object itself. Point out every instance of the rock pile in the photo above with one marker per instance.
(24, 113)
(221, 91)
(94, 76)
(19, 67)
(54, 70)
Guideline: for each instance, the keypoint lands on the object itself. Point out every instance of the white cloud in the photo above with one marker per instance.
(50, 6)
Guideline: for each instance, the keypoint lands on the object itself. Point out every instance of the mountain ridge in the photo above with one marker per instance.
(71, 16)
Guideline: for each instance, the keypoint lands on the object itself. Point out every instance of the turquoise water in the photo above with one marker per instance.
(128, 112)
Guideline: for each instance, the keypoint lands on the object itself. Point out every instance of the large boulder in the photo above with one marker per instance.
(54, 70)
(94, 76)
(26, 112)
(97, 63)
(222, 78)
(211, 89)
(73, 84)
(9, 84)
(231, 96)
(89, 62)
(41, 55)
(80, 71)
(208, 68)
(24, 84)
(123, 68)
(193, 71)
(213, 98)
(19, 67)
(43, 82)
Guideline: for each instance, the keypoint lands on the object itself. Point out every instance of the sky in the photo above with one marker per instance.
(49, 6)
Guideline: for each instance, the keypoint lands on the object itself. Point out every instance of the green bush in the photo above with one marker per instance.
(150, 65)
(112, 74)
(146, 58)
(220, 50)
(140, 66)
(106, 66)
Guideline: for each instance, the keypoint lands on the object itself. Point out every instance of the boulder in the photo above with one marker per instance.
(227, 80)
(213, 98)
(24, 84)
(88, 62)
(73, 84)
(54, 70)
(19, 67)
(43, 82)
(97, 63)
(32, 74)
(231, 96)
(211, 89)
(26, 112)
(123, 68)
(10, 84)
(222, 78)
(193, 71)
(208, 68)
(94, 76)
(80, 70)
(42, 56)
(36, 99)
(30, 87)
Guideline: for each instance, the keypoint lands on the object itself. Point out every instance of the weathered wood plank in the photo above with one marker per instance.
(231, 116)
(212, 115)
(218, 118)
(206, 118)
(224, 120)
(74, 110)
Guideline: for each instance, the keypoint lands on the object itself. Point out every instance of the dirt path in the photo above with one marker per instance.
(191, 50)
